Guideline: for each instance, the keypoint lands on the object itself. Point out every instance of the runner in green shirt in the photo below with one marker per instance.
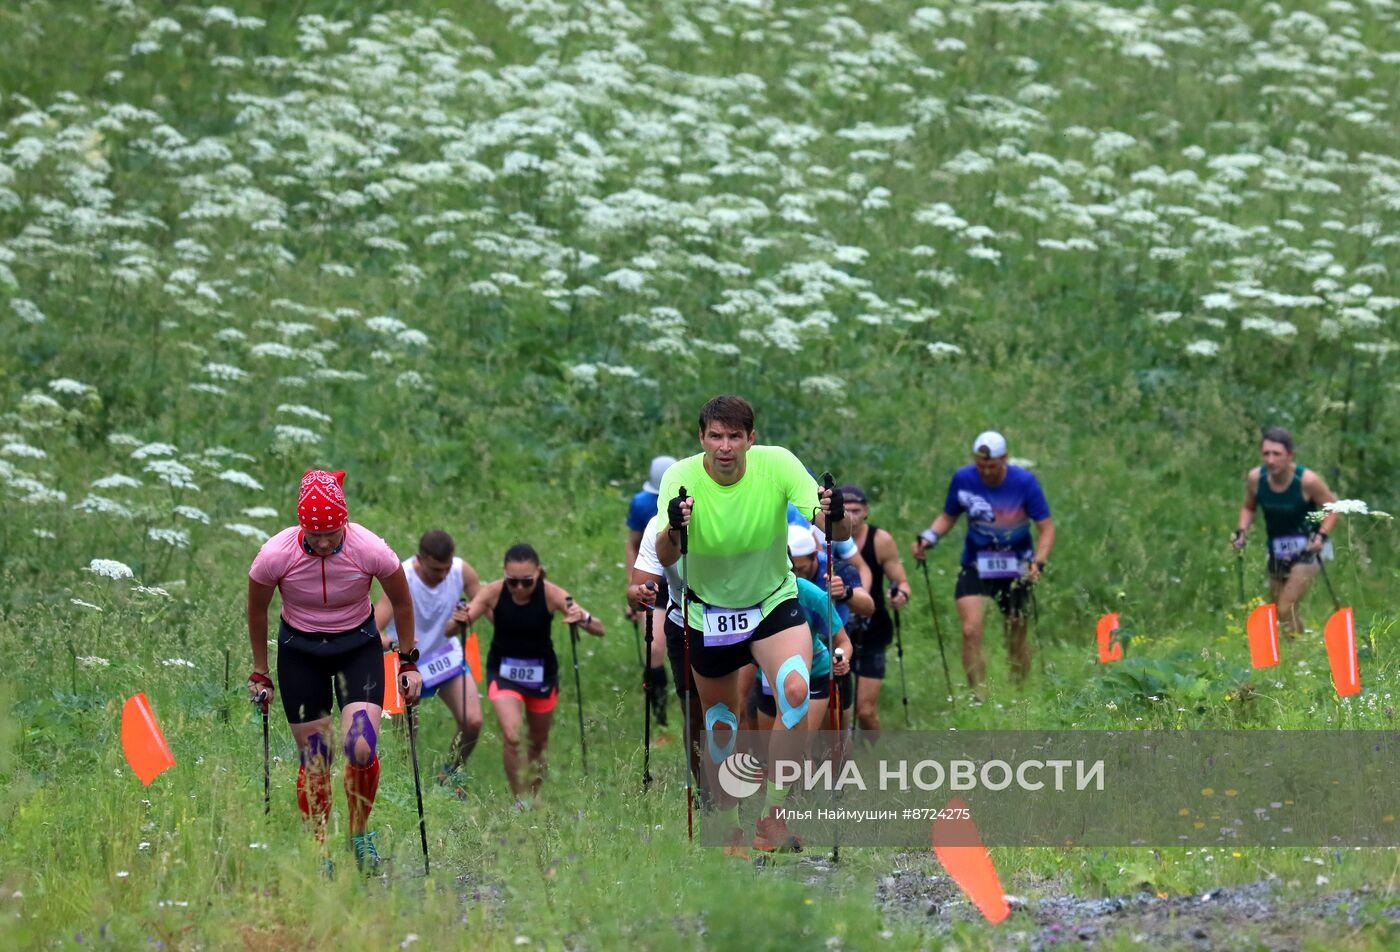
(743, 595)
(1289, 493)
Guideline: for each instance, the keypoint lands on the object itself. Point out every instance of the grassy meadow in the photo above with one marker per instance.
(490, 258)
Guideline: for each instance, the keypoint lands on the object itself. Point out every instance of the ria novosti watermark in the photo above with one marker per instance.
(1067, 788)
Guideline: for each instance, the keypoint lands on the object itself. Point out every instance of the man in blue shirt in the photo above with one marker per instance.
(998, 558)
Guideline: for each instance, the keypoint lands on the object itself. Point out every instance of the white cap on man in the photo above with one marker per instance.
(658, 470)
(801, 541)
(989, 445)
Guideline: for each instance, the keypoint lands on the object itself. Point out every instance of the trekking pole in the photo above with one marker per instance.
(899, 653)
(1239, 571)
(578, 686)
(646, 704)
(261, 702)
(829, 483)
(938, 630)
(856, 629)
(1322, 565)
(685, 650)
(1035, 629)
(412, 719)
(838, 743)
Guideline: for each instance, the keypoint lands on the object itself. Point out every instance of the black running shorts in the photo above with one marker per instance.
(311, 666)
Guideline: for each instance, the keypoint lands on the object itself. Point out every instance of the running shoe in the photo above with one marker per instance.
(366, 853)
(734, 844)
(773, 835)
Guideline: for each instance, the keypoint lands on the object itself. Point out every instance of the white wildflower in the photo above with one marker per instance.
(1268, 325)
(289, 435)
(1354, 507)
(69, 385)
(190, 512)
(27, 310)
(93, 661)
(177, 663)
(824, 385)
(82, 604)
(240, 479)
(225, 371)
(296, 409)
(178, 538)
(116, 481)
(940, 350)
(243, 529)
(104, 506)
(1203, 348)
(110, 568)
(173, 473)
(19, 448)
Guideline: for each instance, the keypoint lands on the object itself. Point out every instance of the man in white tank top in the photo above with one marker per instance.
(442, 585)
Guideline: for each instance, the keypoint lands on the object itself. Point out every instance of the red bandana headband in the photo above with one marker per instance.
(321, 502)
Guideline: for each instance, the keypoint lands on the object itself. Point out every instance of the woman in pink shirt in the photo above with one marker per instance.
(327, 643)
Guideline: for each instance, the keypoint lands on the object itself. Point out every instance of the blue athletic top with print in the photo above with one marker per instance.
(642, 509)
(844, 549)
(849, 574)
(998, 517)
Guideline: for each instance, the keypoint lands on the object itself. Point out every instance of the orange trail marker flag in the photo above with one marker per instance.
(1263, 636)
(393, 699)
(958, 846)
(473, 653)
(1340, 637)
(142, 741)
(1110, 649)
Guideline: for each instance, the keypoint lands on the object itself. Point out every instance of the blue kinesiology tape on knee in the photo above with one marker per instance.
(721, 714)
(316, 749)
(792, 713)
(361, 727)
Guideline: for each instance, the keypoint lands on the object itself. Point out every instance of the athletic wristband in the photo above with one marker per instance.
(257, 677)
(930, 537)
(407, 666)
(1322, 535)
(846, 595)
(1039, 563)
(587, 618)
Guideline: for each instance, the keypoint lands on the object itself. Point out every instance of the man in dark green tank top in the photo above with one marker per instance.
(1290, 495)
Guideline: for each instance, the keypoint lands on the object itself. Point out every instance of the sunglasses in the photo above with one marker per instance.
(520, 582)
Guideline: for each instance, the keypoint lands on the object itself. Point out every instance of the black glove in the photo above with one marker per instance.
(838, 507)
(673, 511)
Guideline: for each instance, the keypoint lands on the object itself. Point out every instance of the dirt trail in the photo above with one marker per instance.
(1254, 915)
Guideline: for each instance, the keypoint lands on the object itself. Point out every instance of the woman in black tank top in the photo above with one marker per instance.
(522, 669)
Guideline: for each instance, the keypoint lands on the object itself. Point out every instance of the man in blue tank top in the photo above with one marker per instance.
(1290, 495)
(999, 561)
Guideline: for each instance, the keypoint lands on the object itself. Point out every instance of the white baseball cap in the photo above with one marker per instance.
(801, 541)
(658, 470)
(989, 444)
